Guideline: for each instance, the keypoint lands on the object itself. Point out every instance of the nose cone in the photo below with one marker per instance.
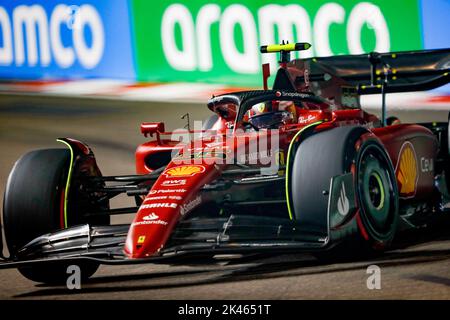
(149, 231)
(171, 197)
(140, 247)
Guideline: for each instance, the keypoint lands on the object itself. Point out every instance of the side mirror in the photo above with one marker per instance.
(150, 128)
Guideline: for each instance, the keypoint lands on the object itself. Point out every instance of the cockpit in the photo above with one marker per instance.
(268, 110)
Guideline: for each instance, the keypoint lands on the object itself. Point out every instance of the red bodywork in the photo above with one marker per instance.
(176, 191)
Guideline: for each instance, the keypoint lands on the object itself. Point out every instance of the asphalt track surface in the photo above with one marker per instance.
(418, 271)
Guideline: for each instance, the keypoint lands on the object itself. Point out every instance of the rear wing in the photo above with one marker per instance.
(369, 73)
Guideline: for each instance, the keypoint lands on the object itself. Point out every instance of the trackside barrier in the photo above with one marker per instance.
(200, 41)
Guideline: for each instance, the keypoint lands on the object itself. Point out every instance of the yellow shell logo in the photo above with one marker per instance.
(184, 171)
(407, 170)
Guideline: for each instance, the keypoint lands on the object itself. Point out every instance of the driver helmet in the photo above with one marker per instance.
(258, 109)
(278, 113)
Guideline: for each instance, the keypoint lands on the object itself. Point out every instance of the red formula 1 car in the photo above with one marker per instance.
(299, 167)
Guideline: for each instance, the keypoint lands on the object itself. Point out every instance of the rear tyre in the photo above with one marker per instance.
(327, 154)
(33, 205)
(317, 159)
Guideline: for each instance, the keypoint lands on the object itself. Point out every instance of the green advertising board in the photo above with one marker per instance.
(218, 41)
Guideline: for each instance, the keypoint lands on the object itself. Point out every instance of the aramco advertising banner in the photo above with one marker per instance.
(220, 41)
(197, 40)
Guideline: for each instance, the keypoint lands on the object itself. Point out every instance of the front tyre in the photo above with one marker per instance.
(34, 205)
(34, 196)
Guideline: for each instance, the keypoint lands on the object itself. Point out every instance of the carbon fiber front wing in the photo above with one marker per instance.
(200, 236)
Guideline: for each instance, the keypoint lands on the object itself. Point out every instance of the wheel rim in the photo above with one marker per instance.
(376, 192)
